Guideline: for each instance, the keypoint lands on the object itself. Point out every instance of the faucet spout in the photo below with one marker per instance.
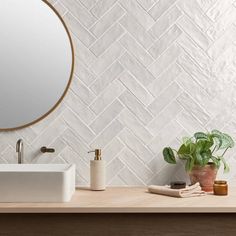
(20, 150)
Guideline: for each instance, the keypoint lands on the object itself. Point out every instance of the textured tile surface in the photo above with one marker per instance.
(147, 73)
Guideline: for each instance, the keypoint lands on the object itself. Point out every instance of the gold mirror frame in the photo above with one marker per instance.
(69, 81)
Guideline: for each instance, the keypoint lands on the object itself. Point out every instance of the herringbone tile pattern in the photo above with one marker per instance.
(147, 72)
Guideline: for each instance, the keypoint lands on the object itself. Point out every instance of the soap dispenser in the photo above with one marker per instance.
(97, 172)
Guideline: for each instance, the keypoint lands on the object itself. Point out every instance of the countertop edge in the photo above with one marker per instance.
(118, 210)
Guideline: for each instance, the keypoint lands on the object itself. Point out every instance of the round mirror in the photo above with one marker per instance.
(36, 61)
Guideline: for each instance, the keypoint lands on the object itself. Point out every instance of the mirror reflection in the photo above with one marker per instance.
(36, 61)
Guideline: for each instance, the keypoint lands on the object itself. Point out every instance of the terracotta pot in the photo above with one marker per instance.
(205, 175)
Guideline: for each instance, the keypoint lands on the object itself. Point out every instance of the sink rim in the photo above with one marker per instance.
(35, 168)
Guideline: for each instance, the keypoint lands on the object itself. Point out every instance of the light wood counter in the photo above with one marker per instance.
(128, 200)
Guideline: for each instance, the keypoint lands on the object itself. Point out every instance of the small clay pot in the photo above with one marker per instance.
(205, 175)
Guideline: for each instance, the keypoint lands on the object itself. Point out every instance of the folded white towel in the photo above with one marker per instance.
(190, 191)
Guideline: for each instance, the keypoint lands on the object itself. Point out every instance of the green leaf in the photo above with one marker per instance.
(206, 156)
(216, 161)
(203, 152)
(189, 164)
(192, 147)
(215, 131)
(169, 155)
(186, 140)
(227, 141)
(198, 156)
(217, 140)
(184, 151)
(219, 135)
(205, 144)
(200, 135)
(226, 167)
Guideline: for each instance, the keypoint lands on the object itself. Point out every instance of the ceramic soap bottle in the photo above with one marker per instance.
(97, 172)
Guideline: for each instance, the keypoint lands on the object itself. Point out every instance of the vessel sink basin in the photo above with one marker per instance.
(37, 182)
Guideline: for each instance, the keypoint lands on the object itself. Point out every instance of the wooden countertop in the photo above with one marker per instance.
(128, 200)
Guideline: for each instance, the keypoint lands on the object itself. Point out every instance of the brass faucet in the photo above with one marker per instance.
(20, 150)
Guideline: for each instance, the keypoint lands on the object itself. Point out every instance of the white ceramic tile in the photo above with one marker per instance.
(160, 7)
(137, 30)
(169, 94)
(107, 135)
(79, 30)
(135, 165)
(109, 95)
(165, 21)
(193, 10)
(80, 12)
(107, 39)
(168, 57)
(136, 88)
(107, 77)
(136, 107)
(194, 32)
(109, 114)
(133, 47)
(107, 20)
(165, 79)
(138, 12)
(165, 41)
(106, 59)
(134, 144)
(137, 69)
(101, 7)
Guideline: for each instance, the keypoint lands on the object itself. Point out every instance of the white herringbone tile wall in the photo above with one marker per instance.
(147, 73)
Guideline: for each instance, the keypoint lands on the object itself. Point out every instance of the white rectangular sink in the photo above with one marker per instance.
(37, 182)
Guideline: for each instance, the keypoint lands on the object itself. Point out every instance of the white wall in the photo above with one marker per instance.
(147, 73)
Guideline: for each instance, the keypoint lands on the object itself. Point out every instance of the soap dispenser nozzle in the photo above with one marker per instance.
(98, 153)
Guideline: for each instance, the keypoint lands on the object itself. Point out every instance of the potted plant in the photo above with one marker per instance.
(203, 154)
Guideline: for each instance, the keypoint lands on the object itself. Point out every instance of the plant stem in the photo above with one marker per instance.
(224, 151)
(213, 149)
